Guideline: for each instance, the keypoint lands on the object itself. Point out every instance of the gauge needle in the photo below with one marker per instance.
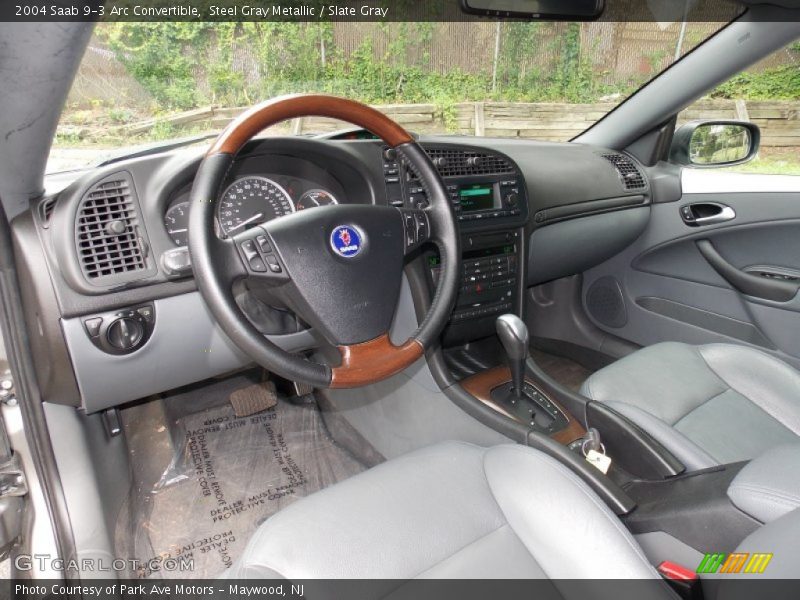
(246, 221)
(177, 230)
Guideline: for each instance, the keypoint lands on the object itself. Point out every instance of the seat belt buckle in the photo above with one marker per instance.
(684, 581)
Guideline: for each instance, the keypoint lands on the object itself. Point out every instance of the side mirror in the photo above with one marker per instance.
(707, 144)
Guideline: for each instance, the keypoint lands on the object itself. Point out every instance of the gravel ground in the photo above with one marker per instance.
(64, 159)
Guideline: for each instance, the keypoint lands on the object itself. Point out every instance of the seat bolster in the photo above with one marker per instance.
(394, 521)
(766, 381)
(685, 450)
(768, 487)
(778, 538)
(566, 528)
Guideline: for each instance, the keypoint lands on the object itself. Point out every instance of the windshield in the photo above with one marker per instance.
(146, 83)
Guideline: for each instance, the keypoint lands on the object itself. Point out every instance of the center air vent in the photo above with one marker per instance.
(108, 233)
(630, 175)
(455, 163)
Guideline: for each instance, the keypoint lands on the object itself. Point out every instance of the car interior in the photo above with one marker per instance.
(380, 354)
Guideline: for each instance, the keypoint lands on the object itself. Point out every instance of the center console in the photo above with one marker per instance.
(490, 284)
(490, 200)
(513, 394)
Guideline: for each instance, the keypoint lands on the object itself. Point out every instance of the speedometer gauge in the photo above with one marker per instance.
(313, 198)
(250, 201)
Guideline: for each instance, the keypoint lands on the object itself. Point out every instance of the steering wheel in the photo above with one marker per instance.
(339, 268)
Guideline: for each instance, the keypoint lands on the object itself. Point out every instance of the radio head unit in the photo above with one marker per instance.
(482, 200)
(479, 196)
(482, 184)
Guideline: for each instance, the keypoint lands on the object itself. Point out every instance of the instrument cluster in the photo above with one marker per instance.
(248, 201)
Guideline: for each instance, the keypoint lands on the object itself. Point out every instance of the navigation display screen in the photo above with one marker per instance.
(476, 196)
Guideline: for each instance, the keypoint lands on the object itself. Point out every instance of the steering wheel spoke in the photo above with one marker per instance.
(416, 228)
(258, 257)
(225, 260)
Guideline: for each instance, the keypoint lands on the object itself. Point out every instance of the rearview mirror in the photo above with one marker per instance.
(715, 143)
(558, 10)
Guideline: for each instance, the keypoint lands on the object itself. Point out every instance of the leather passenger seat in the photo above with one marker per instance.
(709, 405)
(458, 511)
(452, 510)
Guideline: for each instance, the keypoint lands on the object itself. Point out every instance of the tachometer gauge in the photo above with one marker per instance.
(313, 198)
(177, 223)
(250, 201)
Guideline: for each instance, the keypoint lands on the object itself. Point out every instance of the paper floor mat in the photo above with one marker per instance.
(228, 475)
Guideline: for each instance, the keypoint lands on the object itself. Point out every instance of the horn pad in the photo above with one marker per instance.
(345, 264)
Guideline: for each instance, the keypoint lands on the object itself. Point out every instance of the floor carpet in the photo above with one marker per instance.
(220, 476)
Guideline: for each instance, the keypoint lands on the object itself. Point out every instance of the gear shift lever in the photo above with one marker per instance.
(513, 334)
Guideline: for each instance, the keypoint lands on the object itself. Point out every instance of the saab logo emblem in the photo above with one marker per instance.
(346, 241)
(738, 562)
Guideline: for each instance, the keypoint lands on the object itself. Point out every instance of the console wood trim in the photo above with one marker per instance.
(481, 385)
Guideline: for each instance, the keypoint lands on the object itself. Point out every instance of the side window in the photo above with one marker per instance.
(768, 95)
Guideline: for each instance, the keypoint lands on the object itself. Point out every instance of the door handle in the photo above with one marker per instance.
(747, 283)
(706, 213)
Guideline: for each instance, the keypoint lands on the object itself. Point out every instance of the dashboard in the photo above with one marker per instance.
(107, 278)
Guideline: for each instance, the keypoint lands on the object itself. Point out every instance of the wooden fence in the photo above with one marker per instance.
(779, 120)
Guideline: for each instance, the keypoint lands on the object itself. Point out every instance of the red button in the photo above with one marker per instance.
(671, 570)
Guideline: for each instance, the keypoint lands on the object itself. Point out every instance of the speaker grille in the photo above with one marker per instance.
(605, 302)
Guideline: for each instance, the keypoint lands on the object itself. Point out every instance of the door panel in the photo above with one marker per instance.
(670, 291)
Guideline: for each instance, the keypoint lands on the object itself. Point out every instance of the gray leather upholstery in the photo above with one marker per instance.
(778, 538)
(769, 486)
(453, 510)
(712, 404)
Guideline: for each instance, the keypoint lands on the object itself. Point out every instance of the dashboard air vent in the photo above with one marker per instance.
(455, 163)
(631, 176)
(110, 245)
(46, 209)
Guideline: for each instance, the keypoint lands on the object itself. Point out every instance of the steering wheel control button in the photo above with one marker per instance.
(263, 244)
(256, 264)
(272, 262)
(421, 223)
(249, 249)
(411, 230)
(346, 241)
(417, 228)
(258, 253)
